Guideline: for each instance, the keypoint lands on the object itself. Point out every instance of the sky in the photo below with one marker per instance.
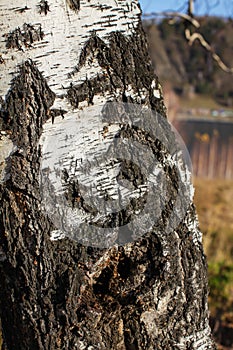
(202, 7)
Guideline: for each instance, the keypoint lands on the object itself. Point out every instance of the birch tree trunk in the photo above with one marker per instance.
(60, 62)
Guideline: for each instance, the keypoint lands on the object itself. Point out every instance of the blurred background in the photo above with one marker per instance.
(199, 99)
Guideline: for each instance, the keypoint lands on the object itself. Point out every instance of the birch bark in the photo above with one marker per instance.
(59, 58)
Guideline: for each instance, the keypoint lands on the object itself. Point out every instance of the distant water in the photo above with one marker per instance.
(210, 144)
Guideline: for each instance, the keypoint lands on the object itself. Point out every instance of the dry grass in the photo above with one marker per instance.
(214, 202)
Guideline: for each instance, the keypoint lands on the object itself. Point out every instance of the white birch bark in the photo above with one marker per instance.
(60, 36)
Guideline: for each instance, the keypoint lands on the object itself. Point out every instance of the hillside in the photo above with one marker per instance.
(191, 68)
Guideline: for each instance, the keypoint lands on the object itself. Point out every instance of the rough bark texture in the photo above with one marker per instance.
(150, 294)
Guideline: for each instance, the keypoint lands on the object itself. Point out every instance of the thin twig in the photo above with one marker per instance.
(197, 36)
(188, 18)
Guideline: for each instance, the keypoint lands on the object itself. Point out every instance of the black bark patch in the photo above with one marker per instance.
(128, 58)
(56, 112)
(43, 7)
(22, 9)
(24, 37)
(29, 91)
(124, 267)
(73, 4)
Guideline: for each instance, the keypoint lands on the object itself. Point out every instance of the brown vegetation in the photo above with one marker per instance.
(213, 199)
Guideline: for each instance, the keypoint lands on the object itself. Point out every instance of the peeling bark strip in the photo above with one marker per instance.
(146, 295)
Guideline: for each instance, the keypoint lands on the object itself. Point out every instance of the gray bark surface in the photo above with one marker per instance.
(149, 294)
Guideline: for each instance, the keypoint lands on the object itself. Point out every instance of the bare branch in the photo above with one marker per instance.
(188, 18)
(197, 36)
(191, 8)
